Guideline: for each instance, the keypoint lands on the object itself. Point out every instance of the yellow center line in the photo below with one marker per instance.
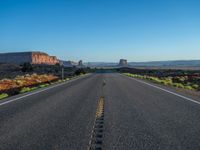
(96, 134)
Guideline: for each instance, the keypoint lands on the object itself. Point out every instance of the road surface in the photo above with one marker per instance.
(136, 116)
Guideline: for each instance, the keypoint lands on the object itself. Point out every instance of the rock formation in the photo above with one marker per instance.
(80, 63)
(123, 62)
(43, 58)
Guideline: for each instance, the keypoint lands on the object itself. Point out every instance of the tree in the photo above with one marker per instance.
(27, 67)
(79, 71)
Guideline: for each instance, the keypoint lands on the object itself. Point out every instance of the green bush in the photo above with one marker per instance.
(34, 88)
(27, 67)
(25, 89)
(80, 71)
(43, 85)
(188, 87)
(3, 95)
(195, 86)
(178, 85)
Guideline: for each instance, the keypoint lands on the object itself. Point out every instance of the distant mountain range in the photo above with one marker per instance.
(175, 63)
(167, 63)
(101, 64)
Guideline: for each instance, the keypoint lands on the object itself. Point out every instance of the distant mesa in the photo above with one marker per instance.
(123, 62)
(70, 64)
(80, 63)
(35, 57)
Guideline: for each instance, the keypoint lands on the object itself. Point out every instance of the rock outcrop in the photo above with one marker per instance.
(123, 62)
(80, 63)
(43, 58)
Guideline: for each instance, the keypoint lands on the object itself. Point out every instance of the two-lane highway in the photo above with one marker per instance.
(136, 116)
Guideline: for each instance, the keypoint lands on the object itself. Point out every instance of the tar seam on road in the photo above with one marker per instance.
(18, 98)
(96, 138)
(173, 93)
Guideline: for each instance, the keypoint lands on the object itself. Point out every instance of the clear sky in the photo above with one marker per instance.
(102, 30)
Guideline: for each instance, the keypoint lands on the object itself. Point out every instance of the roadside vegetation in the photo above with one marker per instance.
(3, 95)
(27, 83)
(185, 82)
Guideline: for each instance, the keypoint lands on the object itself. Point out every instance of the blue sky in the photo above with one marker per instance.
(102, 30)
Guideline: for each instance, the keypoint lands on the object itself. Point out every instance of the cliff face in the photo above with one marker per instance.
(43, 58)
(15, 58)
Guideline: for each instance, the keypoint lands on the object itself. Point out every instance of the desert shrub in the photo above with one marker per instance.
(3, 95)
(59, 81)
(195, 86)
(27, 67)
(178, 85)
(176, 79)
(27, 75)
(25, 89)
(163, 82)
(156, 80)
(168, 81)
(184, 79)
(19, 82)
(188, 87)
(79, 71)
(14, 91)
(34, 88)
(6, 80)
(43, 85)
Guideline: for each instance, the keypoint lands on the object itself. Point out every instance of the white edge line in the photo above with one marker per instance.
(18, 98)
(173, 93)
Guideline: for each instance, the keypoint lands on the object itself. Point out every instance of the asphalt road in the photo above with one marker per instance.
(137, 116)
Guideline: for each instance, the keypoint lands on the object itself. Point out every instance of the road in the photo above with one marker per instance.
(136, 117)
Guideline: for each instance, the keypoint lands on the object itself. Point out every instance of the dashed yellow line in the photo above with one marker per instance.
(96, 138)
(100, 108)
